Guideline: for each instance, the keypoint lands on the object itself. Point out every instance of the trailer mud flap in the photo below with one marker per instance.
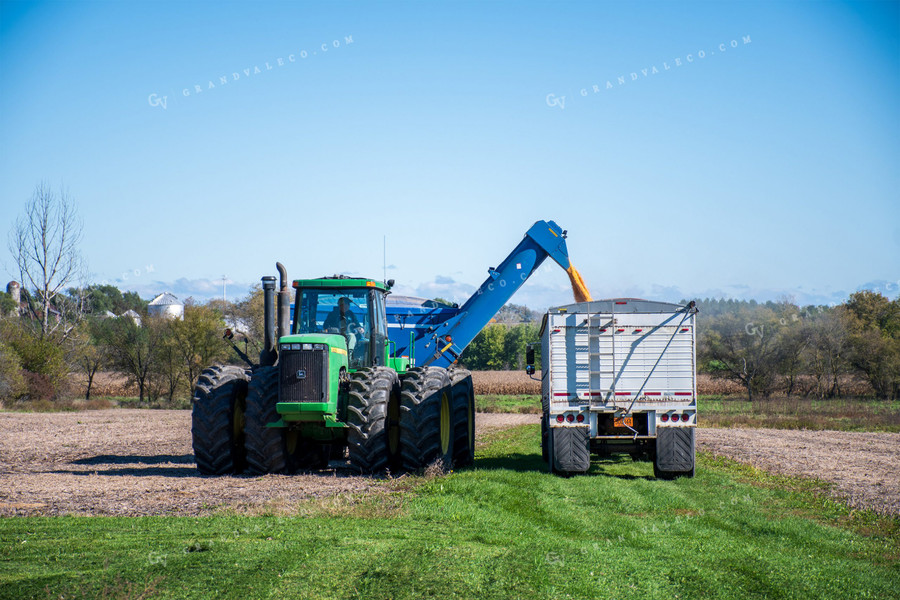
(675, 449)
(570, 449)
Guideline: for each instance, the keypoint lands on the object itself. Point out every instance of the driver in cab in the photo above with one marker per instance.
(342, 320)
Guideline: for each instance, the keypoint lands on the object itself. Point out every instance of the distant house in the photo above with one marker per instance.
(166, 305)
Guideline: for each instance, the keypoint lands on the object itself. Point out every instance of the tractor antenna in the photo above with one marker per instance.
(384, 257)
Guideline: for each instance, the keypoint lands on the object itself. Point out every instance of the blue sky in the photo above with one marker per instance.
(769, 165)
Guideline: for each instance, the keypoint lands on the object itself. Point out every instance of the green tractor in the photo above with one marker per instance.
(329, 387)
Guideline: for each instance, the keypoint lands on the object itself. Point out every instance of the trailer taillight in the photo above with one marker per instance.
(664, 418)
(685, 417)
(580, 418)
(560, 418)
(570, 418)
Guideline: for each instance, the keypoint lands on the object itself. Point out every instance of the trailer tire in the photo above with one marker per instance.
(545, 450)
(265, 445)
(463, 408)
(675, 452)
(217, 420)
(570, 450)
(426, 418)
(373, 435)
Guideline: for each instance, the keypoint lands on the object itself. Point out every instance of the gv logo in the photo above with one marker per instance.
(552, 100)
(301, 374)
(155, 100)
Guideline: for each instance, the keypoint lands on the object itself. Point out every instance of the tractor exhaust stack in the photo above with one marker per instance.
(268, 355)
(284, 303)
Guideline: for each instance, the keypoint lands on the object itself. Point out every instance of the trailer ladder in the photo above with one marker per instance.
(603, 358)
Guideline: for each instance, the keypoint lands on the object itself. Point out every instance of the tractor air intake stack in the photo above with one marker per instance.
(284, 302)
(269, 354)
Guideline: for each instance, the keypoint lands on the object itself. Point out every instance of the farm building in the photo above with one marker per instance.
(166, 305)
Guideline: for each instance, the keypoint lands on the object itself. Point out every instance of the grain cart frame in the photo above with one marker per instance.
(619, 376)
(334, 386)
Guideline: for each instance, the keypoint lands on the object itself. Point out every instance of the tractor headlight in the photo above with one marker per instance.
(307, 346)
(318, 346)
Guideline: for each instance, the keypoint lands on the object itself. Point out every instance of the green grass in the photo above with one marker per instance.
(801, 413)
(508, 404)
(505, 529)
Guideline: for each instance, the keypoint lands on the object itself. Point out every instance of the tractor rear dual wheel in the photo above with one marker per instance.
(427, 429)
(217, 420)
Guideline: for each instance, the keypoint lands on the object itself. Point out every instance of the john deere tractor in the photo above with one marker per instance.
(332, 383)
(330, 388)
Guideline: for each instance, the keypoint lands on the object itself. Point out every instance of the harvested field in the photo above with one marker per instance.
(864, 467)
(139, 462)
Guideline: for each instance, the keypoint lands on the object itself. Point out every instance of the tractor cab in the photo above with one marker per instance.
(350, 312)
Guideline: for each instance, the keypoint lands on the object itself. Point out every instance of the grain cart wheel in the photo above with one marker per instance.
(217, 420)
(569, 450)
(463, 408)
(426, 418)
(675, 452)
(373, 436)
(265, 445)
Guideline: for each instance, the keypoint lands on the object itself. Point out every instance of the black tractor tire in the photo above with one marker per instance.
(675, 454)
(463, 407)
(217, 420)
(426, 419)
(372, 434)
(569, 450)
(265, 445)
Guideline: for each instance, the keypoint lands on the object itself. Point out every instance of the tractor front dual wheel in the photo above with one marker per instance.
(373, 420)
(217, 420)
(463, 408)
(265, 445)
(427, 428)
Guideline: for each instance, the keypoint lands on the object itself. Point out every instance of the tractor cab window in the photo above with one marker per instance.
(345, 312)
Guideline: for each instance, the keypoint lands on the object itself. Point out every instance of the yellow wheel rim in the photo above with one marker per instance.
(445, 423)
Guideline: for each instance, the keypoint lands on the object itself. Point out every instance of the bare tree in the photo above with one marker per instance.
(45, 245)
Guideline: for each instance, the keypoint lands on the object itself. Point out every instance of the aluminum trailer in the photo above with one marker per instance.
(619, 376)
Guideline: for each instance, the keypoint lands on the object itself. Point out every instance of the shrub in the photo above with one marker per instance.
(12, 381)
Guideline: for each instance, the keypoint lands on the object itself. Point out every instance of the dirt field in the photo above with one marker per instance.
(864, 467)
(139, 462)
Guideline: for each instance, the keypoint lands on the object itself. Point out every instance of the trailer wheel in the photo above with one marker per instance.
(373, 434)
(569, 450)
(426, 418)
(265, 445)
(463, 408)
(545, 450)
(675, 452)
(217, 420)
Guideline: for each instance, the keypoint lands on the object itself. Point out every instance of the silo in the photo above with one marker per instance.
(166, 305)
(15, 291)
